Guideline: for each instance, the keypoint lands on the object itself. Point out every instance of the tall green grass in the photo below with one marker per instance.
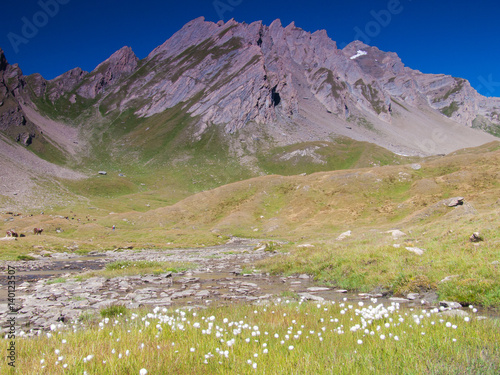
(279, 338)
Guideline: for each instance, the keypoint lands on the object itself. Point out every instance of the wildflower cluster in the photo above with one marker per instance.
(254, 339)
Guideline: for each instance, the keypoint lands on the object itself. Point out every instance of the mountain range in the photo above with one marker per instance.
(220, 102)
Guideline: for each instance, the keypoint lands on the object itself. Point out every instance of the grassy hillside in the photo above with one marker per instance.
(315, 209)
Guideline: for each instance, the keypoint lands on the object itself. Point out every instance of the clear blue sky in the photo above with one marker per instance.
(453, 37)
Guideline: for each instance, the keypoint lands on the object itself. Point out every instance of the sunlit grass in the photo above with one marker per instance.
(369, 260)
(279, 338)
(139, 267)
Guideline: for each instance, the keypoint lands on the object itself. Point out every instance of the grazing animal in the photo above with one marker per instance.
(37, 230)
(12, 233)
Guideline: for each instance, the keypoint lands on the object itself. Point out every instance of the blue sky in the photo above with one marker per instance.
(452, 37)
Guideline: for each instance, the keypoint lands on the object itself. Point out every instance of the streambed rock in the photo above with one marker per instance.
(450, 305)
(43, 303)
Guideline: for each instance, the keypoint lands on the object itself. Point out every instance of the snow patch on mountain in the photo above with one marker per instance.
(358, 54)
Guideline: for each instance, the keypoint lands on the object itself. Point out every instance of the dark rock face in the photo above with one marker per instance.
(13, 121)
(3, 61)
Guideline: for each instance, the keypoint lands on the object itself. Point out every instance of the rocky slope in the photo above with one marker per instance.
(281, 84)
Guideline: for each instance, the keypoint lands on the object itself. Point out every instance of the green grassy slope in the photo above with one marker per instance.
(315, 209)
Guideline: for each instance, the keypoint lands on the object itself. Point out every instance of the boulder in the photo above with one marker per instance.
(412, 296)
(317, 289)
(476, 237)
(396, 233)
(448, 278)
(450, 305)
(456, 201)
(416, 250)
(311, 297)
(344, 235)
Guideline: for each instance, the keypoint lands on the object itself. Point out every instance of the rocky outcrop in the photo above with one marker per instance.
(65, 83)
(109, 72)
(13, 120)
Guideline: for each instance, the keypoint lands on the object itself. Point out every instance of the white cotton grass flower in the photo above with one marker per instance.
(143, 371)
(360, 342)
(192, 350)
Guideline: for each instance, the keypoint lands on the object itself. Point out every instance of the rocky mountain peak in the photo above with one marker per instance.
(191, 34)
(372, 61)
(246, 73)
(109, 72)
(66, 82)
(122, 61)
(235, 75)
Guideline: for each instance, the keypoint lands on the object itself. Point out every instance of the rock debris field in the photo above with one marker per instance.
(218, 277)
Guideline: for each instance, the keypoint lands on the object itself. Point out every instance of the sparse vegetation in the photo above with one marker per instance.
(114, 311)
(336, 86)
(129, 268)
(57, 280)
(459, 83)
(371, 94)
(450, 110)
(311, 157)
(481, 122)
(25, 257)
